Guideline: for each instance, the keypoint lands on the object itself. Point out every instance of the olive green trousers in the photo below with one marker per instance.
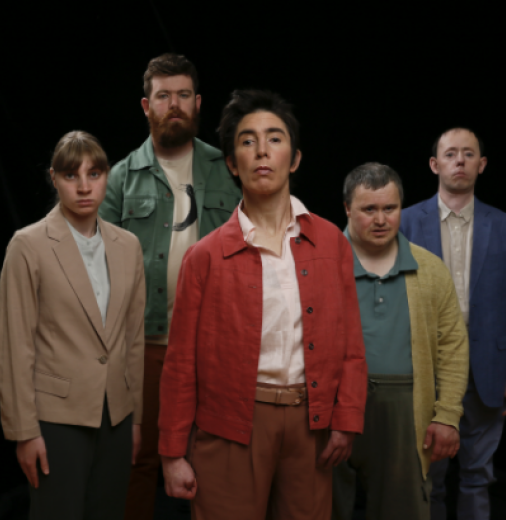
(384, 458)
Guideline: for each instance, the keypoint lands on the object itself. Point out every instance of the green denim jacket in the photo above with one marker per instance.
(139, 199)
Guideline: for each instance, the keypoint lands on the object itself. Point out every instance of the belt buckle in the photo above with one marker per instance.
(300, 396)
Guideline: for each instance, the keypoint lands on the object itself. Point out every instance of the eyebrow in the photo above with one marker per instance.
(457, 148)
(180, 91)
(270, 130)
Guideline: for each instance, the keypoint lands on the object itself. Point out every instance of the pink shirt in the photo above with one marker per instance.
(281, 350)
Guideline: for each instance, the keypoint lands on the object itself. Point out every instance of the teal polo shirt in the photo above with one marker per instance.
(384, 313)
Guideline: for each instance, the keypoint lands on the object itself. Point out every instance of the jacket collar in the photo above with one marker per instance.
(69, 257)
(232, 237)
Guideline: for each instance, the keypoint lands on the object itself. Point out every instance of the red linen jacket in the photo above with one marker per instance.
(210, 370)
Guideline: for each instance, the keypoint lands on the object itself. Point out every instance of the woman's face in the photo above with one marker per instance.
(82, 191)
(263, 154)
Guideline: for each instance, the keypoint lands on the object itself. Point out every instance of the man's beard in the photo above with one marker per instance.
(172, 134)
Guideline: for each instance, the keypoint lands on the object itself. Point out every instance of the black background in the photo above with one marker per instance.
(369, 82)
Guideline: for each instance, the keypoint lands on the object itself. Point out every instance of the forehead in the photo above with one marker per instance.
(458, 139)
(172, 83)
(389, 194)
(260, 122)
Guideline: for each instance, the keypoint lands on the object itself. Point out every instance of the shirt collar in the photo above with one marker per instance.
(248, 229)
(405, 260)
(444, 211)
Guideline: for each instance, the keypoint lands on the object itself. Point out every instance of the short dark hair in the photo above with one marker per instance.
(373, 176)
(457, 128)
(169, 64)
(246, 102)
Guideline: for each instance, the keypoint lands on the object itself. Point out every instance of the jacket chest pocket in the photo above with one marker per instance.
(137, 217)
(218, 206)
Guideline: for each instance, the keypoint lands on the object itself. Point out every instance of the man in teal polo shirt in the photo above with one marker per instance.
(170, 192)
(416, 342)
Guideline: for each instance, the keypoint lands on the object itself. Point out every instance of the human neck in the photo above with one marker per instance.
(87, 226)
(456, 201)
(376, 260)
(270, 214)
(172, 153)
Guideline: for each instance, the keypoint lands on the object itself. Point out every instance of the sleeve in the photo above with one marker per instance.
(19, 309)
(111, 208)
(135, 335)
(452, 362)
(348, 412)
(178, 385)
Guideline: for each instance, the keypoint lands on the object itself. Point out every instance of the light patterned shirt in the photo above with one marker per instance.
(457, 246)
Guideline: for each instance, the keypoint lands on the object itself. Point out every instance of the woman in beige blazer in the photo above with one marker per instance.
(71, 345)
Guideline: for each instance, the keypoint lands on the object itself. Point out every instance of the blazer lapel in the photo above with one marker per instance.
(431, 227)
(116, 268)
(481, 236)
(72, 264)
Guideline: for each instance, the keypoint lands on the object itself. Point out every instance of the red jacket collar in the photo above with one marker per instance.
(232, 238)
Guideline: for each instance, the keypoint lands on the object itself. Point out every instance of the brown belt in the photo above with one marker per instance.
(283, 396)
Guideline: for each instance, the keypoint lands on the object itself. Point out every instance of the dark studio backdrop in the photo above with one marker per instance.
(367, 83)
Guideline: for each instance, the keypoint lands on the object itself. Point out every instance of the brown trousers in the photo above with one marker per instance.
(140, 502)
(274, 477)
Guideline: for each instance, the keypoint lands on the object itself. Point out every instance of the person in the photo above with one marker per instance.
(170, 192)
(470, 237)
(415, 341)
(265, 353)
(71, 345)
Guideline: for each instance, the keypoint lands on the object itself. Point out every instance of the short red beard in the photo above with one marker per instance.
(172, 134)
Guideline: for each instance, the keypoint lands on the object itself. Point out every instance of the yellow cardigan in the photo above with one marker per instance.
(439, 345)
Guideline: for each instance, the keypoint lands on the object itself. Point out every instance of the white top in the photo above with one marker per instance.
(93, 254)
(179, 174)
(281, 349)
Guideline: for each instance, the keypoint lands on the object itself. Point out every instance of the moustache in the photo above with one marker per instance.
(174, 112)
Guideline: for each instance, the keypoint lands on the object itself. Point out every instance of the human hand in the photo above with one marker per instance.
(444, 439)
(338, 449)
(136, 442)
(28, 452)
(179, 477)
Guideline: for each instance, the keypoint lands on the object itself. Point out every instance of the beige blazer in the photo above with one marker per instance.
(57, 360)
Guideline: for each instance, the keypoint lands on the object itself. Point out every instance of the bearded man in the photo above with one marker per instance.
(170, 192)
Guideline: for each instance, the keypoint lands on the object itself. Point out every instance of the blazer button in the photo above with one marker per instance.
(309, 310)
(316, 418)
(103, 360)
(131, 212)
(314, 384)
(304, 272)
(311, 346)
(297, 240)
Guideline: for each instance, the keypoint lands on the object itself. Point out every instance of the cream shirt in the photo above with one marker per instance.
(93, 254)
(281, 349)
(457, 246)
(184, 230)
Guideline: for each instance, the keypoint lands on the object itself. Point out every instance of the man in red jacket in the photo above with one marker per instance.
(265, 356)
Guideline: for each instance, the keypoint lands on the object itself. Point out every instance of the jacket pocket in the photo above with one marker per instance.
(134, 208)
(217, 200)
(50, 384)
(501, 343)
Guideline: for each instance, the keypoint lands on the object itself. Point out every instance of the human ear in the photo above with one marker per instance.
(145, 106)
(433, 165)
(231, 166)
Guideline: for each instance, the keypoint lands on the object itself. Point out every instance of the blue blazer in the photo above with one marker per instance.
(487, 288)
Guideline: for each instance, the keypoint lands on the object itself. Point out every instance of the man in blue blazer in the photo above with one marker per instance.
(470, 237)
